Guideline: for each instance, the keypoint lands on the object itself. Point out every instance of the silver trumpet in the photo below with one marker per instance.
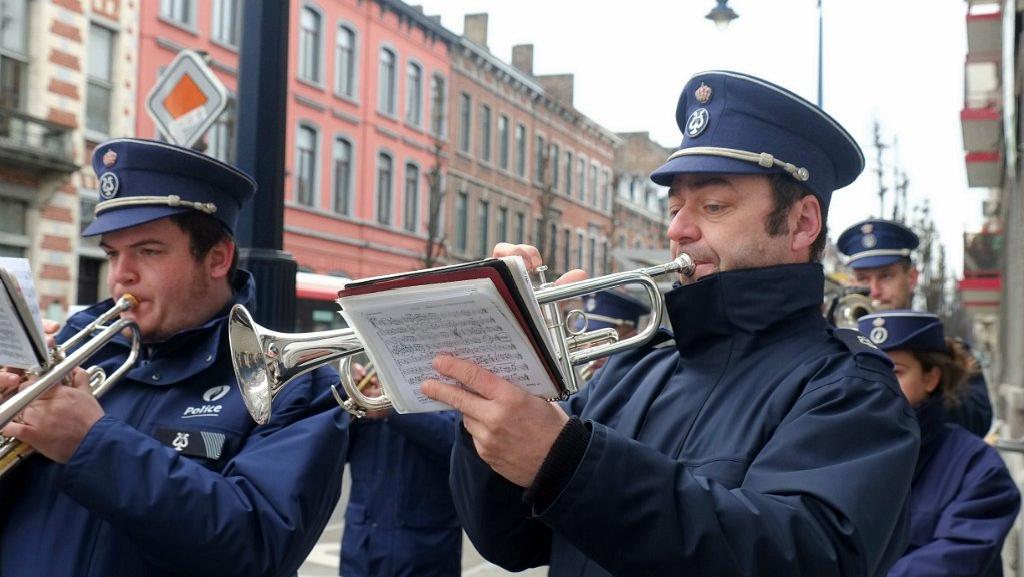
(265, 360)
(62, 361)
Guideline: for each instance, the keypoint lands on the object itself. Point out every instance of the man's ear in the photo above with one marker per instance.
(218, 260)
(805, 224)
(914, 273)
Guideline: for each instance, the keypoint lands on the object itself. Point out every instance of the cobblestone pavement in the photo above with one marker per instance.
(323, 560)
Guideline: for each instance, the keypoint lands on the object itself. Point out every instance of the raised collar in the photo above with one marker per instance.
(747, 302)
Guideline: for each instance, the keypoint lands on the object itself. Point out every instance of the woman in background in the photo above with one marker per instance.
(962, 499)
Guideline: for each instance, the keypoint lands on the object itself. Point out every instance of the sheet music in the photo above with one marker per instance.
(20, 324)
(19, 267)
(405, 328)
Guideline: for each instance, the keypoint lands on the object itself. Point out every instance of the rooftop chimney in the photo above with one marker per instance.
(475, 28)
(522, 58)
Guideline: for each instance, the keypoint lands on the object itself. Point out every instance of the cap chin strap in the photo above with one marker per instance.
(762, 159)
(904, 252)
(172, 200)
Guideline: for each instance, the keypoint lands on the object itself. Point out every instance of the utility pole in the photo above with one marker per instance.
(262, 102)
(880, 168)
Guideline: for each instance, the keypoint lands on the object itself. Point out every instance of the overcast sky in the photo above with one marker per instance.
(900, 62)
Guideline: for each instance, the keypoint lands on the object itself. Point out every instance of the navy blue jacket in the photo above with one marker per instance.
(962, 503)
(400, 520)
(754, 444)
(237, 499)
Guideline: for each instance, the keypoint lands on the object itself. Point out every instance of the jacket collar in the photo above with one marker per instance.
(746, 303)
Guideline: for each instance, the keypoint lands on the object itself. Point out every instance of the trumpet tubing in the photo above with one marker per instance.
(13, 451)
(265, 361)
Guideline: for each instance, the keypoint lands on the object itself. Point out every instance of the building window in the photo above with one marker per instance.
(583, 179)
(100, 79)
(461, 221)
(437, 100)
(540, 167)
(553, 159)
(483, 216)
(503, 141)
(568, 173)
(309, 45)
(465, 121)
(412, 196)
(567, 248)
(179, 11)
(502, 224)
(605, 261)
(594, 188)
(342, 176)
(13, 239)
(579, 250)
(593, 256)
(345, 62)
(13, 53)
(305, 165)
(521, 150)
(414, 95)
(606, 185)
(386, 82)
(227, 20)
(220, 142)
(384, 173)
(485, 133)
(520, 234)
(553, 241)
(89, 280)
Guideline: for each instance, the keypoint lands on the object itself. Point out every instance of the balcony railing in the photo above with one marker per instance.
(34, 144)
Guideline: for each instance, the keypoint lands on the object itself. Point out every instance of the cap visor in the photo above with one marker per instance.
(875, 261)
(699, 163)
(120, 218)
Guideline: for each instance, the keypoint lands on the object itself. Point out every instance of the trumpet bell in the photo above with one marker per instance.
(266, 360)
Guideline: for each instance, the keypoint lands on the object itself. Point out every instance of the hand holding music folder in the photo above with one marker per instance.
(482, 312)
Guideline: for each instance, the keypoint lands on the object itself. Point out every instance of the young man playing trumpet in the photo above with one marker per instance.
(167, 474)
(755, 441)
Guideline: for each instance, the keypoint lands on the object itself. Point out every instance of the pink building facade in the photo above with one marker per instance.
(366, 78)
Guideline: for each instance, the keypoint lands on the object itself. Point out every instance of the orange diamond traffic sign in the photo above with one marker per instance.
(187, 99)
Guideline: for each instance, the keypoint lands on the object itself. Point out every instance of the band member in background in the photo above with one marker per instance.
(610, 309)
(963, 501)
(400, 520)
(753, 441)
(879, 252)
(168, 474)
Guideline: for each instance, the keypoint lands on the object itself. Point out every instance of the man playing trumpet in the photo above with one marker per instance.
(754, 443)
(167, 474)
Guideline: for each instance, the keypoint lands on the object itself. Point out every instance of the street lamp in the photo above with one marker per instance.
(722, 15)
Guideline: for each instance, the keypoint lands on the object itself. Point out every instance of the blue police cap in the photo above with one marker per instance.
(609, 309)
(904, 330)
(144, 180)
(875, 242)
(734, 123)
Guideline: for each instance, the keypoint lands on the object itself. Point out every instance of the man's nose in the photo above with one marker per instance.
(122, 271)
(683, 228)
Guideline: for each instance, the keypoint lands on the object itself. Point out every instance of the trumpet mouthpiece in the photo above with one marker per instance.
(132, 302)
(684, 264)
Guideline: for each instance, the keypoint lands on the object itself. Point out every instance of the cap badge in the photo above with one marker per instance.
(879, 335)
(109, 158)
(591, 305)
(697, 123)
(109, 185)
(869, 241)
(703, 93)
(878, 322)
(867, 228)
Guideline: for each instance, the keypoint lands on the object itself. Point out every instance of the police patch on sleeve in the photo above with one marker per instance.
(193, 442)
(858, 343)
